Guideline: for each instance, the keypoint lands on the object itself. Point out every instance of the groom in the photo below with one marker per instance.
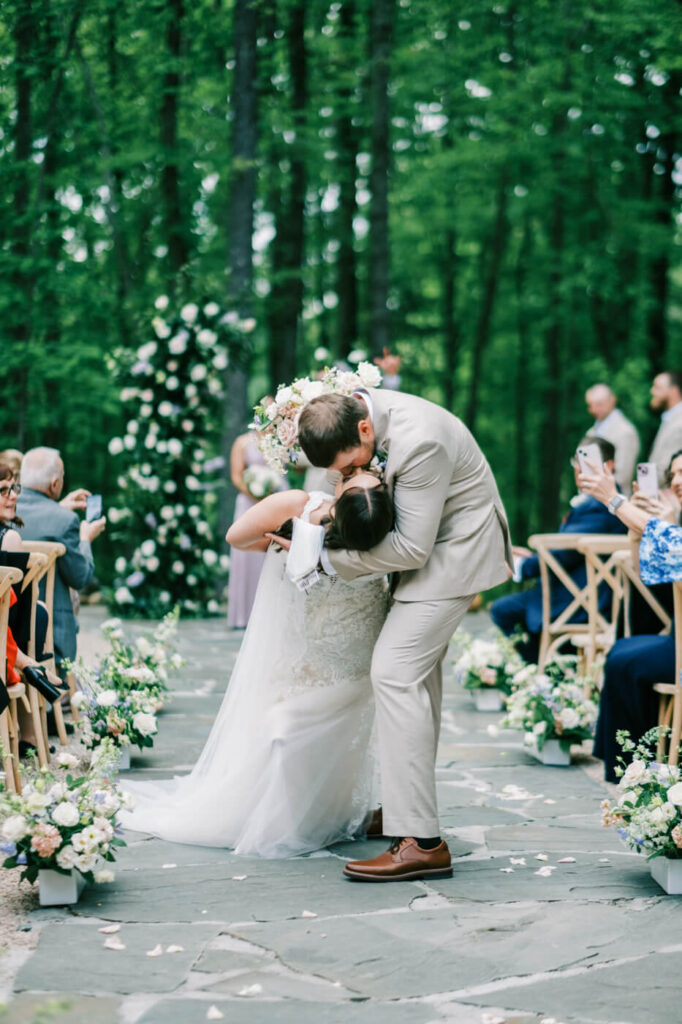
(450, 541)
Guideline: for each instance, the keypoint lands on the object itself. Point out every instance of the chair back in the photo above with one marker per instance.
(49, 551)
(602, 565)
(558, 631)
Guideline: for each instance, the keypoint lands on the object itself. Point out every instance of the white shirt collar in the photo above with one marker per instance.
(365, 395)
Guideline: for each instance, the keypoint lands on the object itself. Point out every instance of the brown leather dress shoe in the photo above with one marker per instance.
(403, 860)
(375, 826)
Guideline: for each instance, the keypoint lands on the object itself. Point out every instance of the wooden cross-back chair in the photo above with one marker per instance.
(9, 735)
(48, 552)
(628, 564)
(603, 567)
(559, 631)
(35, 570)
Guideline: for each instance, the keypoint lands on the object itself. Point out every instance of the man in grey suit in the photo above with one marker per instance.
(611, 424)
(450, 541)
(42, 479)
(666, 399)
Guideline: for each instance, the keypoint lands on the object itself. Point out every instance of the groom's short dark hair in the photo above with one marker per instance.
(329, 425)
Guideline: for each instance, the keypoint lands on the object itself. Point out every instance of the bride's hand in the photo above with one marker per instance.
(281, 541)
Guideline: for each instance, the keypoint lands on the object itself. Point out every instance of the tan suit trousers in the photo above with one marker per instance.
(408, 688)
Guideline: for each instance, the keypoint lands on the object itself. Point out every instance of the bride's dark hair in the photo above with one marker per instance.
(361, 517)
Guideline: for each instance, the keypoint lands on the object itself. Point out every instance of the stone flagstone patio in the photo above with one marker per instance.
(595, 941)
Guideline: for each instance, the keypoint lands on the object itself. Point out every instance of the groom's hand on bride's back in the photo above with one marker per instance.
(283, 542)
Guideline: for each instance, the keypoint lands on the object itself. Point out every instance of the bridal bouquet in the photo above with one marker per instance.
(276, 423)
(648, 814)
(62, 821)
(261, 481)
(488, 663)
(555, 704)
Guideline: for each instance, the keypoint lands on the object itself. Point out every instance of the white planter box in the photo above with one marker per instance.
(551, 754)
(487, 698)
(668, 874)
(124, 758)
(56, 889)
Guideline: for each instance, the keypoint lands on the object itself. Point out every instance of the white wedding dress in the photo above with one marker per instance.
(288, 766)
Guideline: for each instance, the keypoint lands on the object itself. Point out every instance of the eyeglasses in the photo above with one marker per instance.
(5, 491)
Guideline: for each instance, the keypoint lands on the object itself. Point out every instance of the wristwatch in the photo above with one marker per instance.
(615, 503)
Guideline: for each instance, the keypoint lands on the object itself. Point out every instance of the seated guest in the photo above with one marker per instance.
(42, 477)
(12, 457)
(523, 611)
(635, 663)
(17, 660)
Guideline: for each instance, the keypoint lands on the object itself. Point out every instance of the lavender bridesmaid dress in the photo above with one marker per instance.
(245, 566)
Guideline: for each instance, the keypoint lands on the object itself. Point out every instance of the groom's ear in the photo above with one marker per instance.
(365, 430)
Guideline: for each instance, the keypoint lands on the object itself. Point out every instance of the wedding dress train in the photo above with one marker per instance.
(288, 766)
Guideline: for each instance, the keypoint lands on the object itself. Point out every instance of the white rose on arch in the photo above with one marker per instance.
(369, 374)
(189, 312)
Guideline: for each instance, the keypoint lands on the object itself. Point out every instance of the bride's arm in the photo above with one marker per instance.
(248, 532)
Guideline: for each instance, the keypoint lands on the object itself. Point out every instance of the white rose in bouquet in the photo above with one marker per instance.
(144, 723)
(66, 858)
(674, 793)
(66, 814)
(14, 828)
(636, 773)
(569, 718)
(107, 698)
(36, 802)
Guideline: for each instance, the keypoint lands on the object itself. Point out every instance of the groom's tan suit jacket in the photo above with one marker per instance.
(451, 536)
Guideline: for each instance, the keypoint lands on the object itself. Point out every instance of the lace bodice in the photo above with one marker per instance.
(340, 625)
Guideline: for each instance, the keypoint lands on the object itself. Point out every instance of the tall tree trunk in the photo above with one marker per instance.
(240, 224)
(381, 34)
(657, 319)
(176, 233)
(347, 148)
(494, 257)
(551, 440)
(286, 298)
(22, 281)
(521, 525)
(451, 328)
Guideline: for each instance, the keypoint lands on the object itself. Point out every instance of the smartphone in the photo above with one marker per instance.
(591, 452)
(93, 508)
(647, 479)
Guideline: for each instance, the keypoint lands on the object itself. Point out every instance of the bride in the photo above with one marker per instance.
(288, 767)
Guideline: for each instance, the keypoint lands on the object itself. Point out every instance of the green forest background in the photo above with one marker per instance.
(491, 190)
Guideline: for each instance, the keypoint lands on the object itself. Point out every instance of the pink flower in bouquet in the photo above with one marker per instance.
(677, 836)
(488, 676)
(287, 433)
(45, 840)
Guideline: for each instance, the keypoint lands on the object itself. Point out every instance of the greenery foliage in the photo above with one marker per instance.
(529, 155)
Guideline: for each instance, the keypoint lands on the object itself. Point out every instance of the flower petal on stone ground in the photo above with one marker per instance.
(213, 1013)
(175, 949)
(521, 861)
(308, 913)
(239, 878)
(114, 944)
(567, 860)
(156, 951)
(110, 929)
(542, 856)
(251, 990)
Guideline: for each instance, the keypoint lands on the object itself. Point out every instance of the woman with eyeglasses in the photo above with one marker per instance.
(10, 540)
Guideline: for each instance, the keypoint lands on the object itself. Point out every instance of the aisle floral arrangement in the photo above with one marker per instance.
(557, 704)
(120, 698)
(65, 818)
(163, 521)
(487, 663)
(648, 813)
(276, 423)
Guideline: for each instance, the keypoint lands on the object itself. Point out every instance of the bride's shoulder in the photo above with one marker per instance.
(293, 502)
